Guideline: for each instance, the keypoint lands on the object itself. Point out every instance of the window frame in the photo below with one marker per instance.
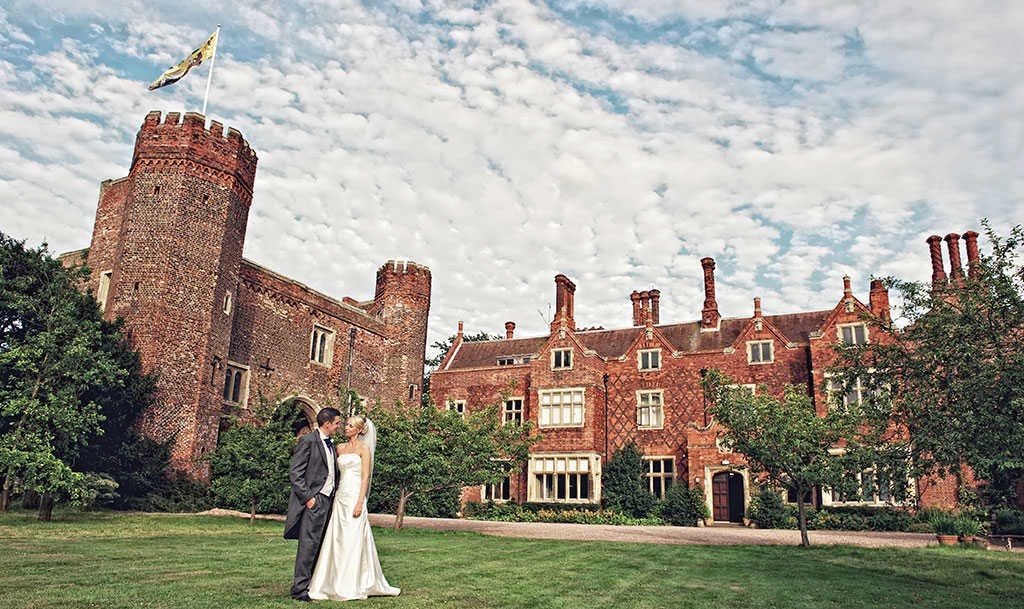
(539, 491)
(242, 371)
(852, 326)
(572, 360)
(541, 393)
(103, 289)
(505, 411)
(326, 349)
(650, 475)
(750, 351)
(661, 407)
(459, 406)
(640, 357)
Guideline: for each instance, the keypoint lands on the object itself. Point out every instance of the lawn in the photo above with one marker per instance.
(113, 560)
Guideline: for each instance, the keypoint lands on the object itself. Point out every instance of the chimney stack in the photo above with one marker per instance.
(847, 289)
(510, 329)
(709, 315)
(459, 337)
(971, 243)
(938, 274)
(879, 300)
(956, 271)
(565, 292)
(757, 306)
(655, 308)
(635, 297)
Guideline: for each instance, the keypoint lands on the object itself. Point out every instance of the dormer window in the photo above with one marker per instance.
(649, 359)
(760, 352)
(561, 359)
(853, 334)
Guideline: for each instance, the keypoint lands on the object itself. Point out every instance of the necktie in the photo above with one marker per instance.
(330, 446)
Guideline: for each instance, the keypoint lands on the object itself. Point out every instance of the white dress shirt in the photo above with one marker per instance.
(329, 483)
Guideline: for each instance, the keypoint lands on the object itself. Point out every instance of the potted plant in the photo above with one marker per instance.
(968, 530)
(944, 525)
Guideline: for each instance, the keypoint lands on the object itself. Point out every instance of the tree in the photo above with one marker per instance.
(421, 449)
(55, 369)
(250, 464)
(794, 447)
(954, 375)
(624, 487)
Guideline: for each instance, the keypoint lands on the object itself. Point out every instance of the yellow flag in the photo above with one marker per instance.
(198, 56)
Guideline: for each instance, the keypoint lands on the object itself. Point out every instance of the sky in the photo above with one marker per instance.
(500, 143)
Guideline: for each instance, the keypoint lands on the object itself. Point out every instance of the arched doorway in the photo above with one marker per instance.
(299, 414)
(727, 497)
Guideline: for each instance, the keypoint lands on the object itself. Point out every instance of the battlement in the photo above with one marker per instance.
(404, 280)
(174, 141)
(402, 267)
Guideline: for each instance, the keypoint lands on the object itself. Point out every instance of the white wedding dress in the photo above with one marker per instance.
(348, 567)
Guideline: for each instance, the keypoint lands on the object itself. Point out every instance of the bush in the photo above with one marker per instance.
(683, 507)
(625, 489)
(582, 514)
(889, 519)
(537, 506)
(920, 527)
(944, 523)
(967, 526)
(767, 510)
(176, 493)
(1008, 522)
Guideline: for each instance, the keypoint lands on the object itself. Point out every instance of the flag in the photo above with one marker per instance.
(198, 56)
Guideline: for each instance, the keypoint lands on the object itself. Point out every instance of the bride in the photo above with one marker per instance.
(347, 567)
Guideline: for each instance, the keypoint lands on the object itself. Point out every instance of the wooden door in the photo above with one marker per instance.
(720, 497)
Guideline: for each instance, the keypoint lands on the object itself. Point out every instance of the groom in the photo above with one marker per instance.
(313, 483)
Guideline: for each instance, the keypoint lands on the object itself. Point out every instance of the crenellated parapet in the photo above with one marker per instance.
(179, 144)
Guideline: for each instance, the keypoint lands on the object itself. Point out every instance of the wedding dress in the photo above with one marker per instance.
(348, 567)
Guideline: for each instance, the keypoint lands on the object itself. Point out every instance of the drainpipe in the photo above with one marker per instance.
(348, 381)
(605, 380)
(704, 394)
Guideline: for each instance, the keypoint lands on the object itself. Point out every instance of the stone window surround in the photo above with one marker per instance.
(563, 391)
(243, 398)
(650, 475)
(594, 471)
(661, 407)
(103, 290)
(639, 359)
(458, 406)
(563, 351)
(750, 352)
(505, 411)
(839, 333)
(326, 350)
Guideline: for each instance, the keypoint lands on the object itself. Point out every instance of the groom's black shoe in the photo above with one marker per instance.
(304, 598)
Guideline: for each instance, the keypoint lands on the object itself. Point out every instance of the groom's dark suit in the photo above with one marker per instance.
(308, 474)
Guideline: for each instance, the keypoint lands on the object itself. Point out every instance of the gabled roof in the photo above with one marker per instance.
(685, 337)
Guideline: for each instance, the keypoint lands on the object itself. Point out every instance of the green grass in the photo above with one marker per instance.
(115, 560)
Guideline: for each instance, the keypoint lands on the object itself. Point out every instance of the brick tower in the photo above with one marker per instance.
(402, 300)
(166, 251)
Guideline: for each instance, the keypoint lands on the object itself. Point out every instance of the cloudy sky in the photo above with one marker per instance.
(503, 142)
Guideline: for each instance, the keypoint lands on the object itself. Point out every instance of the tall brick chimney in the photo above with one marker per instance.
(635, 298)
(709, 315)
(510, 329)
(956, 271)
(757, 307)
(973, 262)
(655, 296)
(938, 274)
(565, 291)
(879, 299)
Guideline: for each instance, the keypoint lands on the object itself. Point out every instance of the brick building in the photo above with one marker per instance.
(591, 391)
(219, 330)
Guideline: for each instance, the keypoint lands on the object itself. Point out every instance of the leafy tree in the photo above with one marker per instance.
(792, 446)
(56, 372)
(624, 487)
(422, 450)
(250, 465)
(954, 375)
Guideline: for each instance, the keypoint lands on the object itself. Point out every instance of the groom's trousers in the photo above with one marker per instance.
(311, 536)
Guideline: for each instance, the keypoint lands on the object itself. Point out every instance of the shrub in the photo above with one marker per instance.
(513, 512)
(624, 487)
(966, 526)
(889, 519)
(920, 527)
(683, 506)
(439, 504)
(944, 523)
(1008, 522)
(176, 493)
(767, 511)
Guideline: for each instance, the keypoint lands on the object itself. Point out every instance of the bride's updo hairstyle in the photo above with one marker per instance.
(362, 422)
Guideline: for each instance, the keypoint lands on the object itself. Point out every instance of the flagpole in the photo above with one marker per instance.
(209, 77)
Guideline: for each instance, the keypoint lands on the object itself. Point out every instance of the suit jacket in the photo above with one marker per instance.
(308, 473)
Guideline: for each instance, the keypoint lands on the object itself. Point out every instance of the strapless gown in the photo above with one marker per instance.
(348, 567)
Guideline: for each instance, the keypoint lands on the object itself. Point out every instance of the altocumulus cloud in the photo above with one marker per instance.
(502, 142)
